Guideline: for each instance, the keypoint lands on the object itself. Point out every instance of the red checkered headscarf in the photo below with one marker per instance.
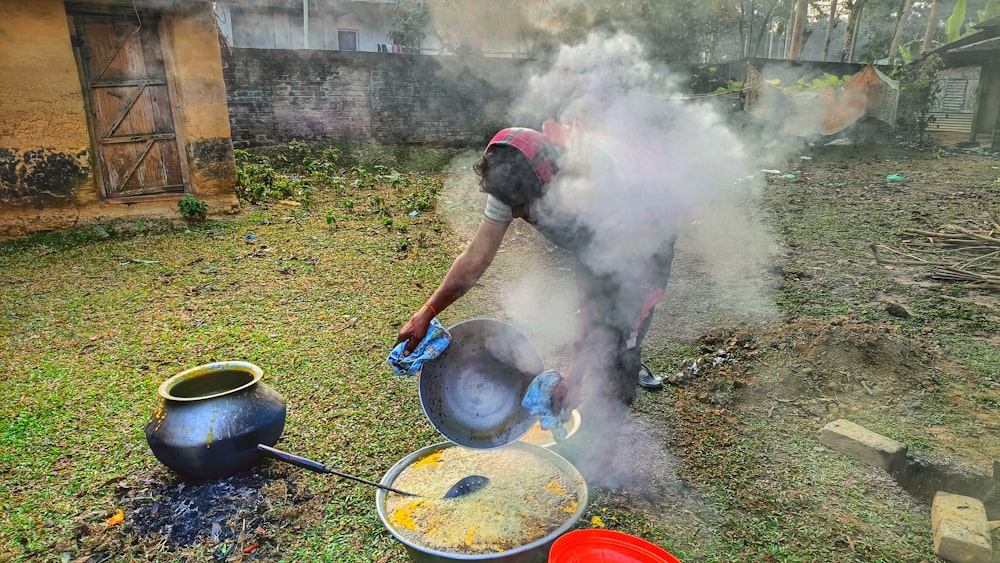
(538, 149)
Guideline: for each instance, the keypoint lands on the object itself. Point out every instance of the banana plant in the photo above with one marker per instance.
(953, 27)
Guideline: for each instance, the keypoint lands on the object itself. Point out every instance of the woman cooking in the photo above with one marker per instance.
(578, 195)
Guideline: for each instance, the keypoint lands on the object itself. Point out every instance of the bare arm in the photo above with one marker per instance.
(463, 274)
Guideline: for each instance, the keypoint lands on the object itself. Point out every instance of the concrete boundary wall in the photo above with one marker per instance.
(276, 96)
(280, 95)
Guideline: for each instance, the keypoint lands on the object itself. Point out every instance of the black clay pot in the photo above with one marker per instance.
(212, 417)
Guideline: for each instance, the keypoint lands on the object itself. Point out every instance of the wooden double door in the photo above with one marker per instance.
(125, 83)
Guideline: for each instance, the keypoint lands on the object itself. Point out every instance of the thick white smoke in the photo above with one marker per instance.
(643, 162)
(672, 157)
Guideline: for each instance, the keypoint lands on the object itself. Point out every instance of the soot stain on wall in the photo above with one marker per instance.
(210, 151)
(8, 168)
(213, 158)
(41, 176)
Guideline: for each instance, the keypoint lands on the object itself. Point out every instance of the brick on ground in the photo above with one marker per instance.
(961, 531)
(864, 445)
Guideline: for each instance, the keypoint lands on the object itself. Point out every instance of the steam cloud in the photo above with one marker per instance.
(678, 163)
(677, 168)
(673, 154)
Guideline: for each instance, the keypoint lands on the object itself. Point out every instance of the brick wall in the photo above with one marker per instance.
(276, 96)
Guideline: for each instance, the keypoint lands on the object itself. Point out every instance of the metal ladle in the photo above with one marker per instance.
(464, 486)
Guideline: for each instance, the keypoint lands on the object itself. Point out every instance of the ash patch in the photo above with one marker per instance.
(186, 513)
(220, 517)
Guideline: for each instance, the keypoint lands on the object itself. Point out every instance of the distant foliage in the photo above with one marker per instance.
(990, 11)
(258, 181)
(953, 27)
(298, 171)
(828, 81)
(409, 19)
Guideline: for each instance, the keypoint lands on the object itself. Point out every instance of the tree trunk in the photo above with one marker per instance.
(739, 29)
(853, 26)
(903, 15)
(798, 29)
(764, 27)
(830, 24)
(857, 28)
(931, 27)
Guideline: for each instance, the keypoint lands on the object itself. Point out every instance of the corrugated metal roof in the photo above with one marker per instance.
(953, 122)
(991, 44)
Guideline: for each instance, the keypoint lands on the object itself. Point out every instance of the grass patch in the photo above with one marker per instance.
(314, 293)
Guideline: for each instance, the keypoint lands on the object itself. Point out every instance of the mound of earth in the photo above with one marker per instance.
(807, 362)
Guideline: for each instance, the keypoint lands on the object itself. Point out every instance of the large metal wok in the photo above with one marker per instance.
(472, 392)
(534, 552)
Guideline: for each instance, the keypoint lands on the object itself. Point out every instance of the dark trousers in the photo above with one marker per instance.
(615, 314)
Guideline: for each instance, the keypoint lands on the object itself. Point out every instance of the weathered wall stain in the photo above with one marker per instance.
(210, 151)
(41, 176)
(8, 168)
(212, 159)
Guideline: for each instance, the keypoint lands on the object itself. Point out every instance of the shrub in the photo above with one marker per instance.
(192, 207)
(918, 88)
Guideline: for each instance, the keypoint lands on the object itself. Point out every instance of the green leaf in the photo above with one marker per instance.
(953, 29)
(990, 11)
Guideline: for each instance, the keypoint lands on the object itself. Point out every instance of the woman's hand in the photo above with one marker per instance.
(567, 395)
(415, 329)
(463, 274)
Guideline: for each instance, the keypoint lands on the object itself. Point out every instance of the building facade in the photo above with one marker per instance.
(111, 111)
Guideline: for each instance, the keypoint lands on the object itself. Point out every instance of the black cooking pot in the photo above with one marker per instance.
(212, 417)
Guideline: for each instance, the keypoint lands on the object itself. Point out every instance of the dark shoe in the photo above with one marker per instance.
(647, 380)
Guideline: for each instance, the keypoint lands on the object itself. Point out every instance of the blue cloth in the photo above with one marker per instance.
(436, 340)
(538, 401)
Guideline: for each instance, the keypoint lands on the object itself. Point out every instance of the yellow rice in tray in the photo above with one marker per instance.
(527, 498)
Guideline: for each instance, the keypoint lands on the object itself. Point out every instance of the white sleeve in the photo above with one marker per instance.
(497, 211)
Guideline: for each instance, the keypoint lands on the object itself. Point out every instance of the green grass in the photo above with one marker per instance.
(93, 321)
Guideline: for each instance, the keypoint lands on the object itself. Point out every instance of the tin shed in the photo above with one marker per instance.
(970, 97)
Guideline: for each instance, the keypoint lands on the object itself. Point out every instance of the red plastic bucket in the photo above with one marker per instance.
(606, 546)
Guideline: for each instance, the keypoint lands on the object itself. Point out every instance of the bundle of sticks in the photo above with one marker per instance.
(956, 253)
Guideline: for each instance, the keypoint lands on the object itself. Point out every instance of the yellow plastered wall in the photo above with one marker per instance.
(196, 60)
(191, 39)
(39, 83)
(44, 128)
(42, 113)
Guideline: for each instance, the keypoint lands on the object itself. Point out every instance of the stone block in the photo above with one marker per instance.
(961, 531)
(864, 445)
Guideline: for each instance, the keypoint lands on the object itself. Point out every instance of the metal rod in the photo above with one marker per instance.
(320, 468)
